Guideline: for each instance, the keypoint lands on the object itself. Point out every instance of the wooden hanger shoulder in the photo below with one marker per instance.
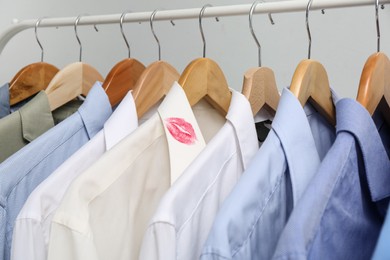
(73, 80)
(203, 78)
(374, 82)
(122, 78)
(260, 89)
(310, 80)
(30, 80)
(153, 84)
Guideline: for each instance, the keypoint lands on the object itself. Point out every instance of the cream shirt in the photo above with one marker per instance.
(32, 226)
(105, 212)
(186, 213)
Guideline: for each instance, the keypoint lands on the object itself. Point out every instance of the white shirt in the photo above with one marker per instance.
(185, 214)
(105, 212)
(32, 226)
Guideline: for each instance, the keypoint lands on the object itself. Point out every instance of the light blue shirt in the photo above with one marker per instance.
(27, 168)
(382, 250)
(4, 101)
(342, 211)
(251, 219)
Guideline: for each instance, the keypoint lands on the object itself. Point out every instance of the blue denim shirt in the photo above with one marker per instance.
(27, 168)
(4, 101)
(251, 219)
(342, 211)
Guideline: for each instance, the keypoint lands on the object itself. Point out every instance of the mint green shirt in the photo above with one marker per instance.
(30, 121)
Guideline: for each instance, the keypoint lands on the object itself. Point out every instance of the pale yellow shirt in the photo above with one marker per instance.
(105, 212)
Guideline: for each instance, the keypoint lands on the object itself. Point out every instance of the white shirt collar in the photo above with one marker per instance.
(185, 140)
(115, 129)
(240, 116)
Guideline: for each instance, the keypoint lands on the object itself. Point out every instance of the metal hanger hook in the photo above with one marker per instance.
(77, 35)
(201, 28)
(36, 36)
(123, 33)
(154, 34)
(201, 13)
(271, 19)
(253, 7)
(378, 32)
(308, 27)
(76, 22)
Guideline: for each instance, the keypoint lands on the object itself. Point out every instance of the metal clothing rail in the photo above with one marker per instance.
(231, 10)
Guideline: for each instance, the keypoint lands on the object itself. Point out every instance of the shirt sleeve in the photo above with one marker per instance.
(28, 242)
(65, 244)
(159, 242)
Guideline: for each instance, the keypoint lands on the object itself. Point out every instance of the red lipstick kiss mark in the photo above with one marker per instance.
(181, 130)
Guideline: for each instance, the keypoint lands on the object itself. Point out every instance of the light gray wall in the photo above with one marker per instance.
(342, 39)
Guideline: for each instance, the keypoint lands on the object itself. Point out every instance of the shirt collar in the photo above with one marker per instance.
(95, 107)
(240, 116)
(4, 101)
(355, 119)
(36, 117)
(185, 140)
(122, 122)
(292, 127)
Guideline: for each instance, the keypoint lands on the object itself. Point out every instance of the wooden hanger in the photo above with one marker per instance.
(122, 78)
(73, 80)
(259, 85)
(374, 86)
(124, 75)
(260, 89)
(155, 81)
(153, 84)
(203, 78)
(310, 82)
(70, 82)
(32, 78)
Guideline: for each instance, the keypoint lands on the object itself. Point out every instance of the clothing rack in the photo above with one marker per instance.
(215, 11)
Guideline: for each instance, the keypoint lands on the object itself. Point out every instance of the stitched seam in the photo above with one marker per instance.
(205, 193)
(154, 224)
(200, 200)
(160, 222)
(238, 248)
(290, 255)
(73, 230)
(214, 254)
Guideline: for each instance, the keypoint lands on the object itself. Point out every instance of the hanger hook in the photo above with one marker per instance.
(77, 35)
(154, 34)
(36, 37)
(123, 33)
(76, 22)
(201, 28)
(253, 7)
(378, 32)
(307, 27)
